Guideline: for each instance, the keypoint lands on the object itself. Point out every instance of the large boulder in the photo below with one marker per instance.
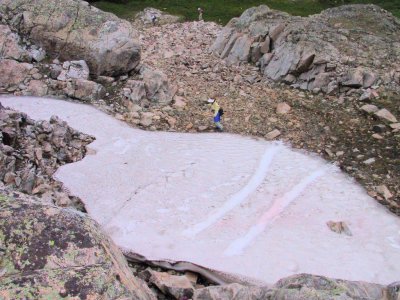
(300, 287)
(36, 88)
(158, 88)
(48, 252)
(240, 51)
(74, 30)
(346, 47)
(10, 45)
(144, 18)
(85, 90)
(12, 72)
(306, 286)
(232, 291)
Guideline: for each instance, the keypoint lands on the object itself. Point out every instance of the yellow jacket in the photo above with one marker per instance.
(215, 108)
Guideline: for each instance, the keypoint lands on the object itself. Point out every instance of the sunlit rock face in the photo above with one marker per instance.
(249, 207)
(74, 30)
(342, 48)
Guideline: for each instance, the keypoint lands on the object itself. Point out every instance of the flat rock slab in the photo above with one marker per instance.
(239, 205)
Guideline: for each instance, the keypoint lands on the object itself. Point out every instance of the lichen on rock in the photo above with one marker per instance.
(50, 252)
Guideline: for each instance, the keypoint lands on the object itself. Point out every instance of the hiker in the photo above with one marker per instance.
(153, 19)
(218, 112)
(200, 10)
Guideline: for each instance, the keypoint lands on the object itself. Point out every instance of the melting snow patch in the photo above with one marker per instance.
(229, 203)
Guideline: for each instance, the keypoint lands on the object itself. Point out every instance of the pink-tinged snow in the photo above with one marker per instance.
(230, 203)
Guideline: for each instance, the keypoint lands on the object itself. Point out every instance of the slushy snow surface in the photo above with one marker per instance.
(230, 203)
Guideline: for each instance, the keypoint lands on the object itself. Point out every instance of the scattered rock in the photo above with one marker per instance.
(395, 126)
(339, 227)
(77, 69)
(273, 134)
(384, 191)
(386, 116)
(37, 54)
(283, 108)
(369, 94)
(369, 161)
(147, 119)
(339, 153)
(55, 71)
(377, 136)
(202, 128)
(176, 286)
(30, 153)
(369, 108)
(354, 78)
(380, 128)
(12, 73)
(36, 88)
(193, 277)
(179, 102)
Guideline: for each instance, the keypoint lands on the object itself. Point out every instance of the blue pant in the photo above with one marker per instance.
(217, 121)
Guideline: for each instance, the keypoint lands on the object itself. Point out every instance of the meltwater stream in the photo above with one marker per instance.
(230, 203)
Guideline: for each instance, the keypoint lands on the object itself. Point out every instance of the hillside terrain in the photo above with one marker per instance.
(222, 12)
(328, 84)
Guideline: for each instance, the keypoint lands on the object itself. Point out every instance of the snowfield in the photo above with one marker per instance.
(234, 204)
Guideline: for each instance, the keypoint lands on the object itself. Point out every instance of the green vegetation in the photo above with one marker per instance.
(223, 10)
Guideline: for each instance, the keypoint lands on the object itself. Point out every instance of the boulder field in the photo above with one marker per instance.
(229, 208)
(353, 46)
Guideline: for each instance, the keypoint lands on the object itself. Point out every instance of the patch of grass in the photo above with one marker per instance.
(223, 10)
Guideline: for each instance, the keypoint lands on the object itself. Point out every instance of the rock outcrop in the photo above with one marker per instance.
(22, 73)
(144, 18)
(302, 286)
(353, 46)
(31, 151)
(74, 30)
(11, 47)
(48, 252)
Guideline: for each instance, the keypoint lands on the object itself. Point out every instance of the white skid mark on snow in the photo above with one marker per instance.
(394, 241)
(239, 197)
(238, 246)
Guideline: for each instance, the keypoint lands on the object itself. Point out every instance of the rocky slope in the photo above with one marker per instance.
(354, 46)
(31, 152)
(363, 140)
(178, 74)
(360, 136)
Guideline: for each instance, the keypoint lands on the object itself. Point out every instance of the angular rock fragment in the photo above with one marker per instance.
(339, 227)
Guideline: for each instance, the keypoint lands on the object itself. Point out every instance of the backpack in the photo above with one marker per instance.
(221, 112)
